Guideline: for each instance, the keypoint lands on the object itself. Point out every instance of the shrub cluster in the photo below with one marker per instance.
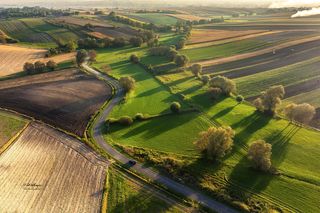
(38, 67)
(302, 113)
(226, 85)
(216, 142)
(134, 59)
(175, 107)
(128, 83)
(148, 26)
(270, 100)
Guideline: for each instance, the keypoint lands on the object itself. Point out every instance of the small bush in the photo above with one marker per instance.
(111, 120)
(175, 107)
(128, 83)
(139, 116)
(125, 120)
(239, 99)
(134, 59)
(196, 69)
(205, 79)
(215, 92)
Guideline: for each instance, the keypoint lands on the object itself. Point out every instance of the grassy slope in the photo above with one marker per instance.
(9, 126)
(223, 50)
(155, 18)
(126, 196)
(298, 186)
(290, 144)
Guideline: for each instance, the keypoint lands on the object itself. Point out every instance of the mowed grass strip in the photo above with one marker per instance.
(254, 84)
(9, 126)
(223, 50)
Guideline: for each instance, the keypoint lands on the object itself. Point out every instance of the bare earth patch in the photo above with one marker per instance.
(202, 36)
(48, 171)
(65, 98)
(12, 58)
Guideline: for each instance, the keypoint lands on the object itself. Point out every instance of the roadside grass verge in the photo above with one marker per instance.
(9, 126)
(126, 195)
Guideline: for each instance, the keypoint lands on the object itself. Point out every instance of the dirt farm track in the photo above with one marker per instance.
(48, 171)
(65, 99)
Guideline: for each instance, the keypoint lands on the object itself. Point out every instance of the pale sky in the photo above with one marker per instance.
(229, 3)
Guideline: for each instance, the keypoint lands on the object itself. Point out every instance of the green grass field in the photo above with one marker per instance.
(9, 126)
(155, 18)
(296, 189)
(224, 50)
(125, 195)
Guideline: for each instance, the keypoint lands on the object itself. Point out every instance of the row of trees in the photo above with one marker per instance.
(171, 53)
(148, 26)
(62, 48)
(38, 67)
(216, 142)
(142, 37)
(31, 12)
(83, 55)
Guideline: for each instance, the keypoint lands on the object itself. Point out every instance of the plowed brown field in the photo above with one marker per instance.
(12, 58)
(65, 99)
(48, 171)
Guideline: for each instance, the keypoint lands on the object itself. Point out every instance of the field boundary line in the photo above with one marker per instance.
(7, 145)
(237, 57)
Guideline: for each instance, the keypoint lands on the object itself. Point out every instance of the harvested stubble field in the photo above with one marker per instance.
(48, 171)
(188, 17)
(12, 58)
(202, 36)
(80, 21)
(124, 32)
(65, 99)
(273, 60)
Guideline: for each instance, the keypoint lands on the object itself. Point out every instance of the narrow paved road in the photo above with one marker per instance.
(139, 168)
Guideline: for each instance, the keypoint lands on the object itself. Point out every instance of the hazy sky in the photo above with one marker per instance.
(229, 3)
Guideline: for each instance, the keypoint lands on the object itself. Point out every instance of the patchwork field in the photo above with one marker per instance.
(187, 17)
(124, 32)
(19, 30)
(58, 98)
(46, 170)
(80, 21)
(168, 142)
(154, 18)
(12, 58)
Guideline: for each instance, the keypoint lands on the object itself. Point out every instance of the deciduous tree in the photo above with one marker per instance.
(302, 113)
(260, 154)
(227, 86)
(216, 142)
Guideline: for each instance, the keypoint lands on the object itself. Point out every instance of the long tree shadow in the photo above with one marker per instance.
(280, 141)
(157, 126)
(244, 181)
(249, 125)
(223, 112)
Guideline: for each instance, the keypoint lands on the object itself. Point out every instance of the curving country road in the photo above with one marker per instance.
(139, 168)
